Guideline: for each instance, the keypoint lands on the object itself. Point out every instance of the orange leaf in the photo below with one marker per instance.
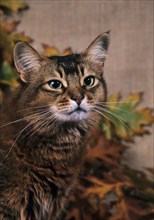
(128, 209)
(8, 27)
(101, 148)
(102, 188)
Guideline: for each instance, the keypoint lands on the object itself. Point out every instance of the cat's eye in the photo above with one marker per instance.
(89, 81)
(55, 84)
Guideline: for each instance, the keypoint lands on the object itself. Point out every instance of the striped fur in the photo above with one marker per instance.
(43, 130)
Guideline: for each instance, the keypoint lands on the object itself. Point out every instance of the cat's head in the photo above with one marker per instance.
(68, 88)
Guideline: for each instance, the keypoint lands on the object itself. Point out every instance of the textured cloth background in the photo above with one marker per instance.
(129, 67)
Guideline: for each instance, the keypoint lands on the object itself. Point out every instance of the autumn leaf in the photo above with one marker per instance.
(132, 190)
(13, 5)
(123, 118)
(108, 151)
(21, 37)
(53, 51)
(8, 27)
(128, 209)
(104, 174)
(7, 43)
(102, 188)
(6, 47)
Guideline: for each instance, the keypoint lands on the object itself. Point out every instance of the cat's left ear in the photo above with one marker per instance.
(97, 51)
(27, 60)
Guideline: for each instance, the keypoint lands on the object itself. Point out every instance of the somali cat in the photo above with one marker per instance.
(44, 125)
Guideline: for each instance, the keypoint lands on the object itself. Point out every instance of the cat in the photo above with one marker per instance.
(44, 124)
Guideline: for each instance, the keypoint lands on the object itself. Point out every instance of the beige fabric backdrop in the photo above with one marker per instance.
(129, 67)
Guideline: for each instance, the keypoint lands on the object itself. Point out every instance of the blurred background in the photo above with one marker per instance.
(129, 67)
(113, 184)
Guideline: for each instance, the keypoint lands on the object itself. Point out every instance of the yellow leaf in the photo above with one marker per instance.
(13, 5)
(125, 119)
(134, 98)
(53, 51)
(20, 37)
(114, 99)
(49, 51)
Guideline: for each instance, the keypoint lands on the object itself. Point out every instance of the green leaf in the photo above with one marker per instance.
(13, 5)
(8, 75)
(124, 119)
(7, 44)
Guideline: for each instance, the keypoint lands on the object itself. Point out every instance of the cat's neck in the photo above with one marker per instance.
(61, 143)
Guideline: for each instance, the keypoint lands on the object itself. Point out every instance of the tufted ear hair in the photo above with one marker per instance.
(98, 49)
(26, 59)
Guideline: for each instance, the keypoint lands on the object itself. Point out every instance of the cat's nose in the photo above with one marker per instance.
(78, 98)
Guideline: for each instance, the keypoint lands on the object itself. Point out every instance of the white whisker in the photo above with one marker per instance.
(110, 106)
(39, 125)
(18, 135)
(120, 102)
(34, 107)
(119, 119)
(98, 111)
(22, 119)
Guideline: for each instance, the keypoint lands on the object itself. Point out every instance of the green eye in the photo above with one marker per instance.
(55, 84)
(89, 81)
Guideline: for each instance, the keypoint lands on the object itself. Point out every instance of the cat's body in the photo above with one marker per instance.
(44, 125)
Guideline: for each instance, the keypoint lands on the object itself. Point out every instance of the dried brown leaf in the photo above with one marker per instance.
(109, 152)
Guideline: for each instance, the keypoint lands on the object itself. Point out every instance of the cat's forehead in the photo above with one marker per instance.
(70, 68)
(69, 64)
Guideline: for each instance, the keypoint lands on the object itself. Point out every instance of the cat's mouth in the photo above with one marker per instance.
(77, 110)
(76, 114)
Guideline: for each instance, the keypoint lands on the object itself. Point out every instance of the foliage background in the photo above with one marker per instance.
(129, 67)
(107, 189)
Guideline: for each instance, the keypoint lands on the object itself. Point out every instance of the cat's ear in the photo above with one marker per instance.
(26, 59)
(98, 49)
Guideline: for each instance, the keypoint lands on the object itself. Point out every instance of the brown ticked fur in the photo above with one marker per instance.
(42, 141)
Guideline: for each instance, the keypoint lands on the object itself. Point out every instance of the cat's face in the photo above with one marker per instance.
(62, 88)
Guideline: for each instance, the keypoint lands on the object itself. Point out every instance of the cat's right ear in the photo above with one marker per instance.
(96, 53)
(26, 59)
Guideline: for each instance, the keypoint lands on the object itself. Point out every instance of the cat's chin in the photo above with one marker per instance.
(73, 116)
